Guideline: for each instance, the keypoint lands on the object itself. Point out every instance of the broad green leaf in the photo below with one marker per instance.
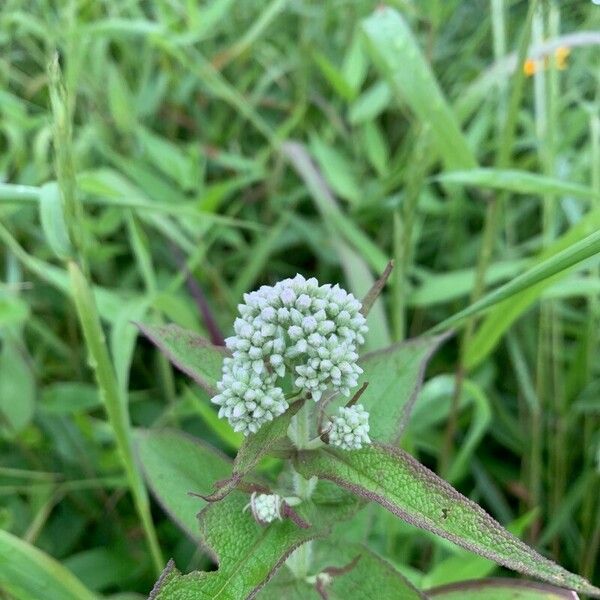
(398, 56)
(254, 448)
(53, 221)
(175, 464)
(355, 572)
(189, 352)
(17, 388)
(500, 589)
(247, 554)
(27, 573)
(462, 565)
(394, 479)
(395, 376)
(519, 182)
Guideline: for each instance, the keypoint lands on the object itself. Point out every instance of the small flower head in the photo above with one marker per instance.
(265, 507)
(350, 429)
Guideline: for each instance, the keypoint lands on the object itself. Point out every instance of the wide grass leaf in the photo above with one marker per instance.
(394, 479)
(175, 464)
(27, 573)
(189, 352)
(519, 182)
(398, 56)
(500, 589)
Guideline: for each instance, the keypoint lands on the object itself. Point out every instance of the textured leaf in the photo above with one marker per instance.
(27, 573)
(371, 578)
(398, 56)
(254, 448)
(175, 464)
(355, 572)
(247, 554)
(500, 589)
(395, 376)
(189, 352)
(406, 488)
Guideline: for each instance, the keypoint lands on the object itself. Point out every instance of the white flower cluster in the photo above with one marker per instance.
(265, 507)
(350, 429)
(296, 325)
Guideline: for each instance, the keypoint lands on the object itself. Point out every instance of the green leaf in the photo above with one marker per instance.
(394, 479)
(334, 76)
(371, 578)
(340, 173)
(247, 554)
(13, 311)
(27, 573)
(519, 182)
(53, 221)
(395, 376)
(370, 104)
(529, 285)
(397, 55)
(500, 589)
(175, 464)
(17, 388)
(189, 352)
(254, 448)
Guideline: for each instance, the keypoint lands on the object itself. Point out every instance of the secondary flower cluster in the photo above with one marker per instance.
(350, 429)
(295, 327)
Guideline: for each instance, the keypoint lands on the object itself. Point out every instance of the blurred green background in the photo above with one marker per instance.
(221, 145)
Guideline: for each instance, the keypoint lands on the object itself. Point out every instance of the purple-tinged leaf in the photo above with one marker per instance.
(189, 352)
(500, 589)
(248, 554)
(253, 449)
(394, 479)
(175, 464)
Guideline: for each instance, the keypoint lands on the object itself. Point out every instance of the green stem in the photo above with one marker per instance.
(113, 400)
(299, 562)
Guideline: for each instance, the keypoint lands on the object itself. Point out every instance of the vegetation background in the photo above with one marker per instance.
(220, 145)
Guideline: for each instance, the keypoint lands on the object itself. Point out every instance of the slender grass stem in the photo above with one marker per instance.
(492, 218)
(114, 399)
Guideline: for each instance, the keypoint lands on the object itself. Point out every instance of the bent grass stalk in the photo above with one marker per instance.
(99, 359)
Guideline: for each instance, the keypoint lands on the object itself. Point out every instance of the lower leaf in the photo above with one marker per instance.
(403, 486)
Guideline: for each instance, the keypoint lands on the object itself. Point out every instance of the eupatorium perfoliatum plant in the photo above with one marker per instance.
(291, 382)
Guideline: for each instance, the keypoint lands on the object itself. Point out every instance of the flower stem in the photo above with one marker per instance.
(299, 561)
